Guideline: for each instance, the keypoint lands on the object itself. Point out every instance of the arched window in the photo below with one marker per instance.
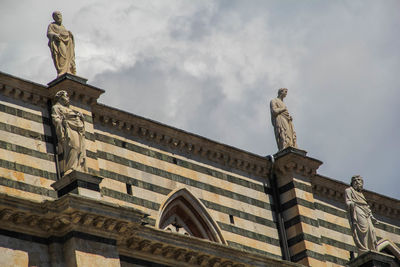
(184, 213)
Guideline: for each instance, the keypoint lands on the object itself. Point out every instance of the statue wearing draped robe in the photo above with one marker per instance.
(281, 120)
(360, 216)
(62, 46)
(70, 130)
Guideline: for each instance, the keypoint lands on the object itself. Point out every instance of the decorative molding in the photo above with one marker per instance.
(66, 214)
(180, 250)
(23, 90)
(54, 220)
(293, 160)
(39, 95)
(76, 88)
(181, 141)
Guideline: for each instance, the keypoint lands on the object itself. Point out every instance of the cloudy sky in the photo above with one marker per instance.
(211, 68)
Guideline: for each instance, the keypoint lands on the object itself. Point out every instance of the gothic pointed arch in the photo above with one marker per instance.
(183, 213)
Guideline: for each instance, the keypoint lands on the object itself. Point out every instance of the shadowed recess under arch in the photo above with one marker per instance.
(183, 213)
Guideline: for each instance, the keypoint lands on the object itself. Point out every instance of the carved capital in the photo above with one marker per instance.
(292, 160)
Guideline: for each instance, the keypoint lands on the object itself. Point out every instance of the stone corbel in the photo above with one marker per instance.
(293, 160)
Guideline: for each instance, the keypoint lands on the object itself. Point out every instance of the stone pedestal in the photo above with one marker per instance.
(79, 183)
(372, 259)
(293, 171)
(82, 97)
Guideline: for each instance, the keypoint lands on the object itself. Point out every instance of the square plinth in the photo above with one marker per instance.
(372, 259)
(78, 183)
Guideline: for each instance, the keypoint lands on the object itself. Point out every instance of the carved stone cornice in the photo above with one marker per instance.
(76, 88)
(38, 94)
(293, 160)
(333, 189)
(182, 141)
(74, 213)
(180, 250)
(20, 89)
(68, 213)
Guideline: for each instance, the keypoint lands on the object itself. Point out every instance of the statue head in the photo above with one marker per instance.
(282, 92)
(62, 98)
(357, 182)
(57, 17)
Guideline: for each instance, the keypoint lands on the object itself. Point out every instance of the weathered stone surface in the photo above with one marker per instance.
(62, 46)
(70, 129)
(360, 216)
(282, 121)
(373, 259)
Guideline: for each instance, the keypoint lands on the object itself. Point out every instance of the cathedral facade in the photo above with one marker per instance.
(154, 195)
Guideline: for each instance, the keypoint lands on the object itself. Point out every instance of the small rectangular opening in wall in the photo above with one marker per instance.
(129, 189)
(231, 219)
(174, 160)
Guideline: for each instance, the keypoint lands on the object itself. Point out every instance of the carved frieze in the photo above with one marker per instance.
(181, 141)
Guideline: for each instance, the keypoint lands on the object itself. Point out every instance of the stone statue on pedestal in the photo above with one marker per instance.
(281, 120)
(360, 216)
(70, 129)
(62, 46)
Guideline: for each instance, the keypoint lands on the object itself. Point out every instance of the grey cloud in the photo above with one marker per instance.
(211, 68)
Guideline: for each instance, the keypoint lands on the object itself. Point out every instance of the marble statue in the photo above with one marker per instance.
(70, 129)
(360, 216)
(281, 120)
(62, 46)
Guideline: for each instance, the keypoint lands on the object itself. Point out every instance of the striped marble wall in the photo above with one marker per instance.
(143, 162)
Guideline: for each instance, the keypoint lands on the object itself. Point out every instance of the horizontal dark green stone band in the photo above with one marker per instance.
(34, 117)
(250, 249)
(238, 213)
(24, 114)
(26, 151)
(330, 210)
(28, 170)
(128, 198)
(307, 253)
(134, 182)
(88, 118)
(248, 234)
(297, 201)
(166, 191)
(179, 162)
(90, 136)
(26, 133)
(36, 153)
(28, 187)
(388, 228)
(303, 237)
(318, 256)
(91, 154)
(181, 179)
(314, 239)
(335, 227)
(301, 218)
(337, 244)
(155, 206)
(295, 184)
